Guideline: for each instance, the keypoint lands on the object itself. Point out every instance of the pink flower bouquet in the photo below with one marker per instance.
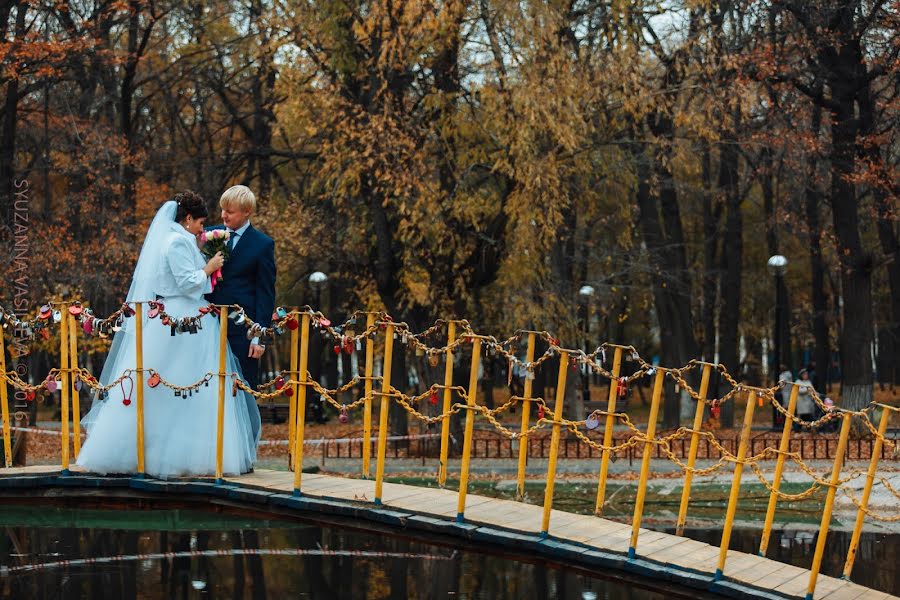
(212, 241)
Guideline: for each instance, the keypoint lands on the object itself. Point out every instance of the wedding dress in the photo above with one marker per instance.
(179, 432)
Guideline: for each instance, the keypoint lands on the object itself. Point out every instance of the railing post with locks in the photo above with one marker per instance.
(139, 368)
(829, 505)
(692, 453)
(554, 441)
(736, 484)
(779, 469)
(448, 397)
(220, 413)
(4, 404)
(383, 410)
(367, 403)
(526, 414)
(608, 431)
(870, 477)
(470, 428)
(301, 403)
(66, 383)
(645, 461)
(76, 400)
(292, 402)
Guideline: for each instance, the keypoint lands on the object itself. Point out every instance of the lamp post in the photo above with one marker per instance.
(777, 265)
(586, 292)
(317, 281)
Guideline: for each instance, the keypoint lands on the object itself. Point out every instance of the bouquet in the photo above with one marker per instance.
(212, 241)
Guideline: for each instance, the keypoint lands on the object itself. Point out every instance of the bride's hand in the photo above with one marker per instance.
(214, 264)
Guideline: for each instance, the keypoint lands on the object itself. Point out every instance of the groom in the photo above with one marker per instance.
(248, 278)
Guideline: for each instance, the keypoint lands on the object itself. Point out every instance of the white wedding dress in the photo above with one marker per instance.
(179, 432)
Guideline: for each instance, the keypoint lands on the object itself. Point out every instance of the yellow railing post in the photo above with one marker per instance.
(367, 403)
(608, 431)
(870, 477)
(645, 460)
(383, 411)
(220, 413)
(526, 413)
(301, 403)
(66, 385)
(292, 402)
(470, 428)
(779, 469)
(76, 400)
(692, 454)
(829, 505)
(4, 404)
(736, 484)
(554, 441)
(448, 398)
(139, 384)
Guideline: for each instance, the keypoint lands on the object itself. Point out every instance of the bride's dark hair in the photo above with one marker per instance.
(189, 203)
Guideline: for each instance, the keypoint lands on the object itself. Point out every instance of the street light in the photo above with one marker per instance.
(315, 409)
(587, 293)
(777, 266)
(317, 280)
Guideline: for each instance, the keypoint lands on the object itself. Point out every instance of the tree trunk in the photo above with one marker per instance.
(10, 112)
(821, 350)
(663, 236)
(712, 211)
(855, 261)
(732, 261)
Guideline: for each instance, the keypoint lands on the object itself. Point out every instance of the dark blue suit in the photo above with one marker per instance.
(249, 281)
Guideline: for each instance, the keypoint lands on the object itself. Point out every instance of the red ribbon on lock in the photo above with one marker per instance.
(622, 387)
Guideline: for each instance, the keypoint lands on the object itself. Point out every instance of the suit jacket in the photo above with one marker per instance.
(249, 276)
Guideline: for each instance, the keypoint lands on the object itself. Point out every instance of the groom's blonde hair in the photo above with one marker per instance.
(238, 196)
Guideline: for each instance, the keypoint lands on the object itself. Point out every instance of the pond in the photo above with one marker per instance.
(55, 551)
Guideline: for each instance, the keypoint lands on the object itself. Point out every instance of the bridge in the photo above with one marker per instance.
(588, 541)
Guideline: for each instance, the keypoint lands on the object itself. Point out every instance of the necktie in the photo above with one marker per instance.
(232, 239)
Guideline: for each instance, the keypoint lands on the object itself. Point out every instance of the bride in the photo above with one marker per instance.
(179, 432)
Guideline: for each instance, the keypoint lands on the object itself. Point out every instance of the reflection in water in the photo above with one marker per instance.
(876, 558)
(47, 534)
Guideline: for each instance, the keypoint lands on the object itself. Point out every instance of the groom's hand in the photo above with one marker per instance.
(256, 350)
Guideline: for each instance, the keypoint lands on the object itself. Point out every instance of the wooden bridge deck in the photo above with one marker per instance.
(584, 539)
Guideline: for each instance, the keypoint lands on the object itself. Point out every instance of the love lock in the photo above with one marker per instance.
(154, 380)
(51, 385)
(344, 417)
(613, 457)
(592, 422)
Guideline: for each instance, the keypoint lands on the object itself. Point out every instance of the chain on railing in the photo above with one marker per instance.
(297, 379)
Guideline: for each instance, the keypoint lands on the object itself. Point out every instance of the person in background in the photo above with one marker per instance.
(806, 406)
(831, 425)
(787, 376)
